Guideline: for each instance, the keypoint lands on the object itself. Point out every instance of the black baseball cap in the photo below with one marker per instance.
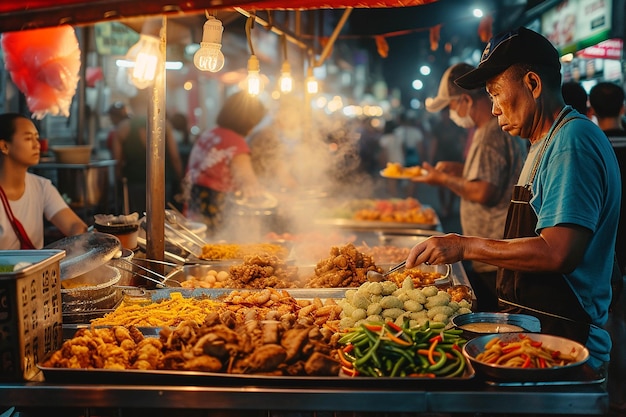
(520, 46)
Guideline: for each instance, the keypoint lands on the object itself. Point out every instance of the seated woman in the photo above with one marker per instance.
(26, 197)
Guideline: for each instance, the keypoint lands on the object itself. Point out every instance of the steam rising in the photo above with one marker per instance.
(321, 157)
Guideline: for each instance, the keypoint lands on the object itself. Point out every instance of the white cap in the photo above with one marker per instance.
(447, 89)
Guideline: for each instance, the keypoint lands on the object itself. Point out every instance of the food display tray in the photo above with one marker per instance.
(194, 378)
(584, 375)
(353, 224)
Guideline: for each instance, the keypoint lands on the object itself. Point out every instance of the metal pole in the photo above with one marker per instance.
(155, 163)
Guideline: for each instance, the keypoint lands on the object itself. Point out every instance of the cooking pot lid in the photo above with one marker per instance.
(85, 252)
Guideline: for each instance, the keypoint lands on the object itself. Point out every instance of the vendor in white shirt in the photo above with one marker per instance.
(26, 198)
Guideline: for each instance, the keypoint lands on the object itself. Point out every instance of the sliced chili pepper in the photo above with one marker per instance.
(373, 327)
(535, 344)
(349, 348)
(527, 361)
(556, 354)
(542, 362)
(343, 359)
(349, 371)
(398, 340)
(394, 326)
(431, 350)
(437, 338)
(509, 349)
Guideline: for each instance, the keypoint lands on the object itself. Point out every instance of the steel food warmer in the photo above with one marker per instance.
(85, 391)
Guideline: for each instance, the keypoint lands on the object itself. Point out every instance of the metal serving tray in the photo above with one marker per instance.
(352, 224)
(194, 378)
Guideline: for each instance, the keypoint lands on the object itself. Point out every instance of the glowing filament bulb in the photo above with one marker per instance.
(285, 80)
(254, 77)
(311, 83)
(146, 57)
(210, 57)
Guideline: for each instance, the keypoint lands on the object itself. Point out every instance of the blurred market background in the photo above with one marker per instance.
(371, 65)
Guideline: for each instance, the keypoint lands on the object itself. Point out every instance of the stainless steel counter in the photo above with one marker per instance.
(566, 400)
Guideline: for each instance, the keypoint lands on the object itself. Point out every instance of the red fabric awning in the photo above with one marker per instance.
(27, 14)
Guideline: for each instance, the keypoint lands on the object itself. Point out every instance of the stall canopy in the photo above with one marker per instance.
(29, 14)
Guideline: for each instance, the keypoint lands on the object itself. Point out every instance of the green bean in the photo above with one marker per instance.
(440, 362)
(396, 368)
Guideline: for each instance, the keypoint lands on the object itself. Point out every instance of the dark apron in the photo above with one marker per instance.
(546, 296)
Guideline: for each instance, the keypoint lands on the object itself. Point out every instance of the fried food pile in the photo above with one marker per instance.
(394, 169)
(167, 312)
(225, 342)
(346, 267)
(218, 251)
(262, 271)
(408, 210)
(420, 278)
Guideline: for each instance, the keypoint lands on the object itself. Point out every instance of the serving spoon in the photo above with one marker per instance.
(374, 276)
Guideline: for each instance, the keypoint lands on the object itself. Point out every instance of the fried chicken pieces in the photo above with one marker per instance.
(221, 344)
(345, 267)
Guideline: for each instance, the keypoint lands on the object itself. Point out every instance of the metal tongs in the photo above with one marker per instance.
(163, 278)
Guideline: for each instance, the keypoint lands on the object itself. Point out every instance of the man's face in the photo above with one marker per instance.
(512, 103)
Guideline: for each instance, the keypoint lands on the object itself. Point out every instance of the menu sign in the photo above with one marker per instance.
(573, 25)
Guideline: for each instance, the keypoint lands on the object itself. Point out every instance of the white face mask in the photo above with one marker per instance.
(465, 122)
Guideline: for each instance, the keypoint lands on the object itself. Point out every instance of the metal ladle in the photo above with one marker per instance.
(374, 276)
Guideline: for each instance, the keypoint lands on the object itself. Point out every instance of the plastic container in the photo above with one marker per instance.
(126, 232)
(30, 312)
(72, 154)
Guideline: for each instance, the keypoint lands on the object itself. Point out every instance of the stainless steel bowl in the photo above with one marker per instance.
(490, 323)
(504, 373)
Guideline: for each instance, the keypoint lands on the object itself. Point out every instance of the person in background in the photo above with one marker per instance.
(485, 180)
(606, 101)
(448, 144)
(129, 150)
(220, 164)
(575, 95)
(412, 138)
(607, 104)
(273, 148)
(369, 146)
(392, 152)
(117, 113)
(28, 198)
(553, 261)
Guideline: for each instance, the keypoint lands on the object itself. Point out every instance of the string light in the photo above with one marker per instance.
(146, 56)
(254, 77)
(285, 82)
(210, 57)
(312, 86)
(253, 81)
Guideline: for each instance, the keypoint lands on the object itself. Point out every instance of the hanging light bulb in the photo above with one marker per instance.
(210, 57)
(311, 83)
(146, 56)
(254, 77)
(286, 80)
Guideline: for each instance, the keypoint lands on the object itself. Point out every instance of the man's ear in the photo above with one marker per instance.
(534, 84)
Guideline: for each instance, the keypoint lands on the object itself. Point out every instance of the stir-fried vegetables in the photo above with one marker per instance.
(388, 350)
(525, 353)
